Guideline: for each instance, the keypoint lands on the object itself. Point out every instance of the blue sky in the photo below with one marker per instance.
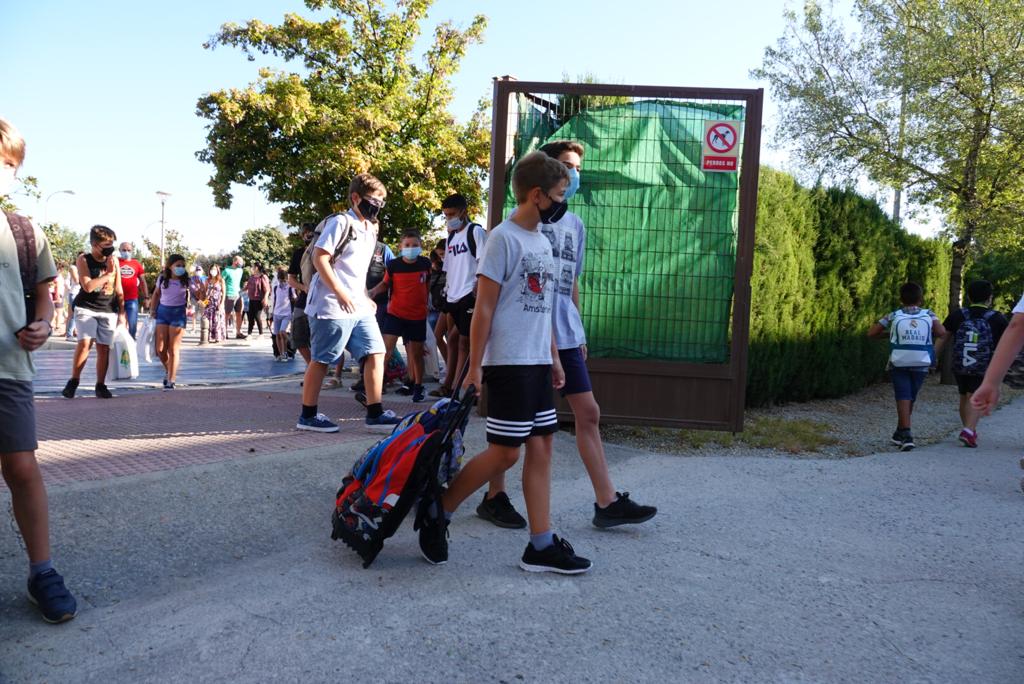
(105, 91)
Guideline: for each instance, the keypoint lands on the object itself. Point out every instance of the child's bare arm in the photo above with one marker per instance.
(480, 329)
(877, 330)
(987, 396)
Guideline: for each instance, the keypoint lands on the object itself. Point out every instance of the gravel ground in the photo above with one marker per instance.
(857, 424)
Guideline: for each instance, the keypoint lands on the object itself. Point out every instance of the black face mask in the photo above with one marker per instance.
(107, 251)
(369, 211)
(553, 213)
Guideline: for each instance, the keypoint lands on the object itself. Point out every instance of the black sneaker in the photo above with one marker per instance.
(622, 511)
(404, 390)
(908, 441)
(901, 437)
(102, 392)
(433, 538)
(559, 557)
(361, 398)
(359, 386)
(69, 389)
(500, 511)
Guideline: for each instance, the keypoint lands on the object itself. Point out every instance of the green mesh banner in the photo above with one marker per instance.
(661, 234)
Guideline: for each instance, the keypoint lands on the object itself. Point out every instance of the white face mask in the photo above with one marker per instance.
(454, 223)
(7, 180)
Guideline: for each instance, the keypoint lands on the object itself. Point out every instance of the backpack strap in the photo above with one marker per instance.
(471, 238)
(25, 243)
(348, 236)
(988, 314)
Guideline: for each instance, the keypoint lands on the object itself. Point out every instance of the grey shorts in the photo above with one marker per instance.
(97, 325)
(17, 417)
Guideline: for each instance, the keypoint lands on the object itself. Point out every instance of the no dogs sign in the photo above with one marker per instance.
(721, 146)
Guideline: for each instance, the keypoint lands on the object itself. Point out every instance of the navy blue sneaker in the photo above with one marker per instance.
(418, 394)
(55, 602)
(387, 419)
(317, 423)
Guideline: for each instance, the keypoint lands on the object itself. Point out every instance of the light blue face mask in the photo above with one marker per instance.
(411, 252)
(179, 271)
(454, 223)
(574, 183)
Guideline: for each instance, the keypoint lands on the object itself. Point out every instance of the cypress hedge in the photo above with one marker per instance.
(827, 263)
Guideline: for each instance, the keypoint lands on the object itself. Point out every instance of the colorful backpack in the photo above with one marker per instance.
(423, 453)
(395, 368)
(973, 344)
(910, 339)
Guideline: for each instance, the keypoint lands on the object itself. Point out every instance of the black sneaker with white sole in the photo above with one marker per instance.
(903, 439)
(622, 511)
(433, 538)
(559, 557)
(500, 511)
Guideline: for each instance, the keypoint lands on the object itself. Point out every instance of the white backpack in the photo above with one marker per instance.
(910, 339)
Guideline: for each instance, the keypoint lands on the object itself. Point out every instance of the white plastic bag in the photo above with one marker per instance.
(144, 341)
(123, 361)
(431, 358)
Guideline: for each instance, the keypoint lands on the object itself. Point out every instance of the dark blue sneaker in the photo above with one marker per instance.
(55, 602)
(387, 419)
(318, 423)
(418, 394)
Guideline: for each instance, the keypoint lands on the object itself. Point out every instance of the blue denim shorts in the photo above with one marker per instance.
(332, 336)
(173, 316)
(907, 382)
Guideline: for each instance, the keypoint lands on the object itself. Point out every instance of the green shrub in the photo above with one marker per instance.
(827, 263)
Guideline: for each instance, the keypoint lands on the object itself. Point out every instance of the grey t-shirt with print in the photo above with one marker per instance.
(568, 239)
(520, 261)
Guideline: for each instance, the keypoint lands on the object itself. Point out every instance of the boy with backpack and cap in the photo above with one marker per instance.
(513, 352)
(975, 331)
(912, 332)
(341, 313)
(567, 236)
(25, 312)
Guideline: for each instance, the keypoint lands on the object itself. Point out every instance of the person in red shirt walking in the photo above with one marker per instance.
(133, 284)
(408, 279)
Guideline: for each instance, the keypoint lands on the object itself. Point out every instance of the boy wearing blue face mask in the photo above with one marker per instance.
(567, 237)
(463, 248)
(407, 278)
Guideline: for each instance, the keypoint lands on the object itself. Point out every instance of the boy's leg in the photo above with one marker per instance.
(968, 413)
(904, 408)
(102, 360)
(587, 416)
(440, 330)
(373, 377)
(314, 377)
(494, 459)
(414, 351)
(80, 357)
(389, 345)
(28, 499)
(537, 483)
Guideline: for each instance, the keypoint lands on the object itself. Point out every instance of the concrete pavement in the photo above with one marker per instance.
(894, 567)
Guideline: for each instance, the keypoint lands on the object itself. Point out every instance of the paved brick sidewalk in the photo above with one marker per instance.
(140, 432)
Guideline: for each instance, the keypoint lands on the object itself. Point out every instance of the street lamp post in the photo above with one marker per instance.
(46, 205)
(163, 199)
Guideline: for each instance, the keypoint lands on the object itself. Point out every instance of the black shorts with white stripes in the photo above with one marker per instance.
(520, 403)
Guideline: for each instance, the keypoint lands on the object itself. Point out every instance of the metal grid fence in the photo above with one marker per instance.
(665, 289)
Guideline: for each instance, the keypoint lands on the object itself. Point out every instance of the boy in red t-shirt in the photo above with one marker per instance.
(408, 279)
(133, 284)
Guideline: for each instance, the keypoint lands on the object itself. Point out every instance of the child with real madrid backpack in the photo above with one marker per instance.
(912, 332)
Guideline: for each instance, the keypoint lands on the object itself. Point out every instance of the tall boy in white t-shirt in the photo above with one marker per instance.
(341, 313)
(512, 350)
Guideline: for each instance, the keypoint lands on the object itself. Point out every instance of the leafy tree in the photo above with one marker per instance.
(363, 103)
(65, 243)
(1002, 268)
(926, 96)
(267, 245)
